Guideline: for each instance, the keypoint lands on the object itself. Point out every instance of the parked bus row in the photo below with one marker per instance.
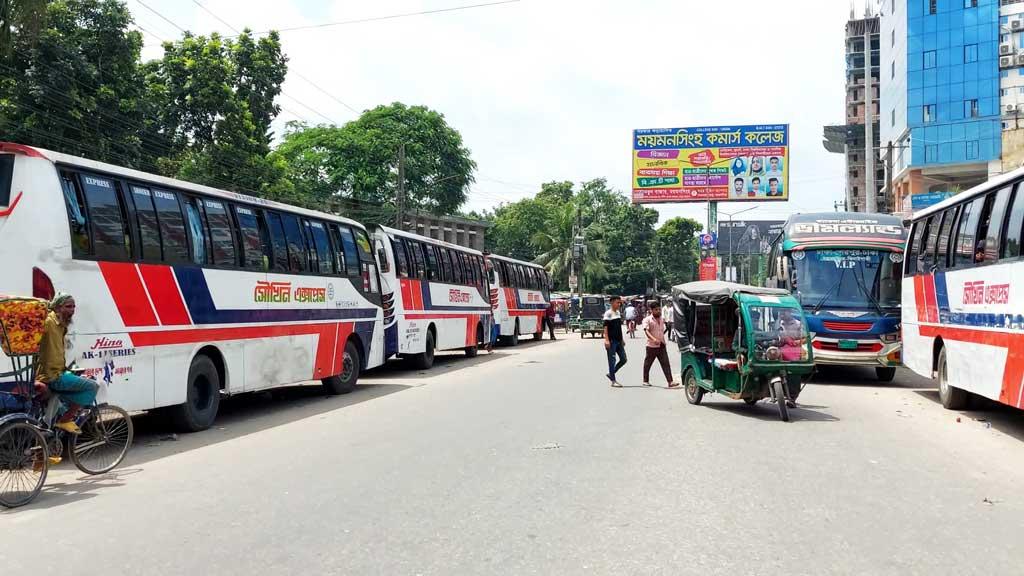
(188, 293)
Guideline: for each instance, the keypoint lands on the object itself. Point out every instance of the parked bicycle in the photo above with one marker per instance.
(29, 440)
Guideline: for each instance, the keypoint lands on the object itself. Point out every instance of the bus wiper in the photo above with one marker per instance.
(864, 289)
(828, 292)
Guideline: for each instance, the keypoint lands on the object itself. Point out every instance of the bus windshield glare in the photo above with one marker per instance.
(847, 278)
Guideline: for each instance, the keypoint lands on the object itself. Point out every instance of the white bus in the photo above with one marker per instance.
(519, 295)
(963, 294)
(435, 296)
(186, 292)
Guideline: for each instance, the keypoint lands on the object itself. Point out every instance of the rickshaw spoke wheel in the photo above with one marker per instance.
(780, 398)
(104, 441)
(23, 464)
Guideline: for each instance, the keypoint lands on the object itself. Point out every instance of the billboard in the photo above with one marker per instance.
(734, 163)
(747, 236)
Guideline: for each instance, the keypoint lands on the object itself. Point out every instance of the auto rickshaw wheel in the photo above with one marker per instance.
(694, 393)
(779, 387)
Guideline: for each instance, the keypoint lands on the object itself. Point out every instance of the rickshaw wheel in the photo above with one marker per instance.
(694, 393)
(780, 398)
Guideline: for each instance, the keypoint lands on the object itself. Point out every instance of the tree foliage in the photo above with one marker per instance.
(624, 251)
(71, 79)
(359, 161)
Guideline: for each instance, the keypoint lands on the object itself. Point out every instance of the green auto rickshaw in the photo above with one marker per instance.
(745, 342)
(591, 319)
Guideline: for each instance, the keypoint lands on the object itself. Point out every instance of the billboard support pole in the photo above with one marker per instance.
(713, 228)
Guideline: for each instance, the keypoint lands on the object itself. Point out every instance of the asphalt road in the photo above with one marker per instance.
(527, 462)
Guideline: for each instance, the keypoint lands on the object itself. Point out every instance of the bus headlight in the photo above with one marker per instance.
(891, 338)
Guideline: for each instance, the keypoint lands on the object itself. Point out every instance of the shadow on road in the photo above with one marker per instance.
(444, 362)
(860, 376)
(768, 411)
(1003, 418)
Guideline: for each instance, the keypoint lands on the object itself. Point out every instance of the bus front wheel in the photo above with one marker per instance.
(202, 398)
(346, 381)
(885, 374)
(952, 398)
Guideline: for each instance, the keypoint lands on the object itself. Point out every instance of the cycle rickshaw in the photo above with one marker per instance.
(28, 438)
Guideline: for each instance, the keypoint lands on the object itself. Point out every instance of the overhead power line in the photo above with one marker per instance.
(222, 21)
(391, 16)
(162, 17)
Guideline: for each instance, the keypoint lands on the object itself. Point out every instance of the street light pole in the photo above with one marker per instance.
(731, 250)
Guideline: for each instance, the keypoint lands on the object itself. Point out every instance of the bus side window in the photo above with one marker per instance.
(1014, 223)
(252, 242)
(147, 223)
(75, 204)
(348, 245)
(416, 249)
(967, 232)
(459, 266)
(325, 262)
(942, 248)
(447, 269)
(222, 238)
(369, 264)
(931, 231)
(433, 269)
(984, 219)
(197, 230)
(172, 227)
(298, 257)
(278, 241)
(401, 264)
(996, 226)
(109, 233)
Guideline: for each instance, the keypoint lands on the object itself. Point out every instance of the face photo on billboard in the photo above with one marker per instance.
(757, 187)
(775, 187)
(739, 187)
(776, 165)
(756, 166)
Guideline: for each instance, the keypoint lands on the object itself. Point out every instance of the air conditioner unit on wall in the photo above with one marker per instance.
(1005, 49)
(1020, 59)
(1006, 61)
(1011, 108)
(1016, 24)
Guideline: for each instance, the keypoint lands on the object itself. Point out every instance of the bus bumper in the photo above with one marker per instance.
(826, 352)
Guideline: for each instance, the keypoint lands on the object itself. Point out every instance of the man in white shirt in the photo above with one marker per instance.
(631, 320)
(667, 315)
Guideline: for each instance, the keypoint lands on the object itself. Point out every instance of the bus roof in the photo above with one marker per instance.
(114, 170)
(402, 233)
(844, 229)
(978, 190)
(514, 261)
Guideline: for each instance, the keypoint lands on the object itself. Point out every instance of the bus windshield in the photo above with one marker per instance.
(868, 279)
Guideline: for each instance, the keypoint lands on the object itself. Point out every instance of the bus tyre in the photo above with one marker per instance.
(202, 397)
(472, 351)
(952, 398)
(346, 381)
(885, 374)
(425, 359)
(513, 340)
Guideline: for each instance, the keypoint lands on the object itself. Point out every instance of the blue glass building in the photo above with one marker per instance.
(940, 97)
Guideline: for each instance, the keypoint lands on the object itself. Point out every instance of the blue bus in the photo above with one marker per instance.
(845, 269)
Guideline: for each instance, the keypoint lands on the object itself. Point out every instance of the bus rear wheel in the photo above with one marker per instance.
(885, 374)
(202, 397)
(472, 351)
(424, 360)
(952, 398)
(346, 381)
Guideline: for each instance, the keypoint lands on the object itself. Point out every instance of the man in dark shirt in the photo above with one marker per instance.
(613, 343)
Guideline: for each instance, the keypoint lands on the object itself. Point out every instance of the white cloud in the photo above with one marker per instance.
(551, 89)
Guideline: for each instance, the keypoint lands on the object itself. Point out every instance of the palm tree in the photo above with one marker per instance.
(556, 246)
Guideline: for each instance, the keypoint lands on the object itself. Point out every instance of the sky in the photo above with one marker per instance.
(546, 90)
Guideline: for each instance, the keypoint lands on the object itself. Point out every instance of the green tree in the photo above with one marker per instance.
(514, 227)
(215, 105)
(74, 83)
(359, 161)
(555, 241)
(678, 254)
